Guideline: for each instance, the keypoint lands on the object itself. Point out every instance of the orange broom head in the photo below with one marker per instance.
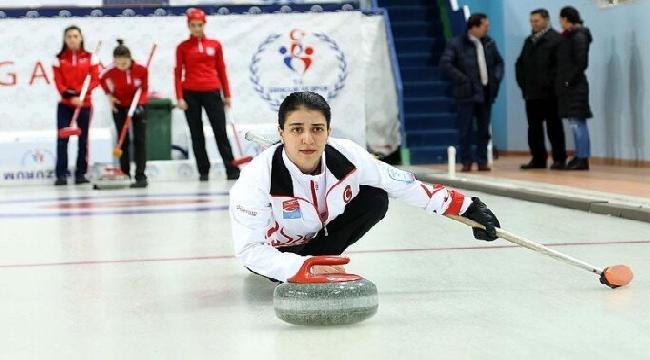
(69, 131)
(117, 153)
(617, 275)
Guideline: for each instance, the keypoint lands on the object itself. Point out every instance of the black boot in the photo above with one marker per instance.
(61, 181)
(139, 184)
(80, 180)
(232, 174)
(572, 162)
(578, 164)
(558, 165)
(533, 165)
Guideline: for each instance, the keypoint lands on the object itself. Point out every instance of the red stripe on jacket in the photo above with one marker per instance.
(200, 67)
(122, 84)
(70, 71)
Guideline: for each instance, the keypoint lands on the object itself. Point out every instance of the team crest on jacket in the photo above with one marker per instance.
(291, 209)
(347, 194)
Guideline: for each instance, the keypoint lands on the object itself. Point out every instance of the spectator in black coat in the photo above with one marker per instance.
(475, 67)
(571, 83)
(536, 68)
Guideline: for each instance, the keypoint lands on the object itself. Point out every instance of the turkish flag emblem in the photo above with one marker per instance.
(347, 194)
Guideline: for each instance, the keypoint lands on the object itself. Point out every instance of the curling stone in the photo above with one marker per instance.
(111, 178)
(325, 299)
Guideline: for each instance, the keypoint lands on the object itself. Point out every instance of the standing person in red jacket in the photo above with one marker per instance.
(200, 79)
(73, 63)
(120, 82)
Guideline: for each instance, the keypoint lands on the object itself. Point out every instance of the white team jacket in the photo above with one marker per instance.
(270, 207)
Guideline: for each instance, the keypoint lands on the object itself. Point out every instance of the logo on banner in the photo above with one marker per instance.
(291, 209)
(297, 56)
(37, 157)
(282, 64)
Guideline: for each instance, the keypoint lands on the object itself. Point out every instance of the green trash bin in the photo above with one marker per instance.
(159, 129)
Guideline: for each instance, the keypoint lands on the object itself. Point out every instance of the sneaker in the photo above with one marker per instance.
(233, 174)
(81, 181)
(203, 177)
(139, 184)
(60, 181)
(533, 165)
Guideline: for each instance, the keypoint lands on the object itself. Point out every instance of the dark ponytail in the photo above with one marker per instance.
(121, 51)
(64, 46)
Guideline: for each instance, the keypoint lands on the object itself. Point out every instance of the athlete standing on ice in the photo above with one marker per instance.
(201, 79)
(120, 82)
(317, 195)
(73, 63)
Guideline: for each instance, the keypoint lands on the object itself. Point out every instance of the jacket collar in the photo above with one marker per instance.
(281, 182)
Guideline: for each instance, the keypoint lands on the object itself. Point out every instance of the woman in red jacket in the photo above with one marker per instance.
(200, 80)
(120, 82)
(73, 63)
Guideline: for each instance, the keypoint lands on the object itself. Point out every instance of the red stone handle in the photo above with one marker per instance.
(304, 275)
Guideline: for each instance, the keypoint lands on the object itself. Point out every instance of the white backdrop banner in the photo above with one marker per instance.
(267, 57)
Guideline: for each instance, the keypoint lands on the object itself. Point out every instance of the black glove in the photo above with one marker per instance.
(69, 93)
(139, 111)
(480, 213)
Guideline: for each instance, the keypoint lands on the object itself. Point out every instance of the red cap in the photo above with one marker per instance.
(195, 14)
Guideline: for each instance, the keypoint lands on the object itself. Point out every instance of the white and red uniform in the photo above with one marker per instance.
(273, 204)
(200, 67)
(122, 84)
(70, 70)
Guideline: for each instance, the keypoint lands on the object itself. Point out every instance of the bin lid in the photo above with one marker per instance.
(159, 102)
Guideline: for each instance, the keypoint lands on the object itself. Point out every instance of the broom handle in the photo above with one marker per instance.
(84, 91)
(539, 248)
(235, 134)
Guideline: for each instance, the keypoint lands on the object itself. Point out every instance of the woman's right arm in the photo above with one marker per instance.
(251, 218)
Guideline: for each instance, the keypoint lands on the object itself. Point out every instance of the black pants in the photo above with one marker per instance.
(466, 114)
(139, 126)
(214, 108)
(538, 111)
(360, 215)
(63, 119)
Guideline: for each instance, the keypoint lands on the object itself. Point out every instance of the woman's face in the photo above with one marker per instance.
(73, 39)
(304, 136)
(196, 27)
(122, 63)
(564, 23)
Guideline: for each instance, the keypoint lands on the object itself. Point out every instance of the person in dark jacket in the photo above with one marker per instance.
(571, 83)
(475, 67)
(535, 69)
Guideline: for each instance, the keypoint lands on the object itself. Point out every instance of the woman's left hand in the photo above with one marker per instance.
(226, 103)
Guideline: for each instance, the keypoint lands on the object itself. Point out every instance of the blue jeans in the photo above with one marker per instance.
(580, 137)
(466, 114)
